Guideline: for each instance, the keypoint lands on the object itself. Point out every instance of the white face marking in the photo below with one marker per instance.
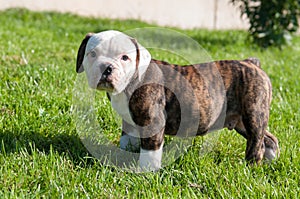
(117, 50)
(150, 160)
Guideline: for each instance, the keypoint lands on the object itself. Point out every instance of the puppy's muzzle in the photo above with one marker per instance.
(106, 77)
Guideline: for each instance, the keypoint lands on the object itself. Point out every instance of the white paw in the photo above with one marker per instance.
(269, 154)
(150, 160)
(130, 143)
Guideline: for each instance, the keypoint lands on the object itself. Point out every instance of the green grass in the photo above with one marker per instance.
(41, 154)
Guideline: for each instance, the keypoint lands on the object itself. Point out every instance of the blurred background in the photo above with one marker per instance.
(212, 14)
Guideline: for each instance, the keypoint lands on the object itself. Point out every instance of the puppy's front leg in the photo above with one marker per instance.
(147, 105)
(151, 152)
(130, 139)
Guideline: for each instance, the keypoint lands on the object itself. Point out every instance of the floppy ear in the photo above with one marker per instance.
(81, 52)
(143, 58)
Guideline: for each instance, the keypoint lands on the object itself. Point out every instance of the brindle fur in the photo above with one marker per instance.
(248, 97)
(247, 100)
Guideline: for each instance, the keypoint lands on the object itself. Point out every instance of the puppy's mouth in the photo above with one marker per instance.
(105, 82)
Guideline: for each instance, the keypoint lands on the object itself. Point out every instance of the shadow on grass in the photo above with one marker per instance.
(63, 144)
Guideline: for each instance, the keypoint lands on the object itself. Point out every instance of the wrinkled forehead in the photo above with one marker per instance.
(110, 42)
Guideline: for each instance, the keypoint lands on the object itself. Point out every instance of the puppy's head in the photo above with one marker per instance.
(110, 59)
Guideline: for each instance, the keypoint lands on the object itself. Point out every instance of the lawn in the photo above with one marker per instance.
(41, 153)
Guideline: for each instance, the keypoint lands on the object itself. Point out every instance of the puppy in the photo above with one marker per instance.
(155, 98)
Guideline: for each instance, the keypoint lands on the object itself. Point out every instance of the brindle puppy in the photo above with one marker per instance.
(155, 98)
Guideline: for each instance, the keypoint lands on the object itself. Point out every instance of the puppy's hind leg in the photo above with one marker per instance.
(254, 133)
(271, 146)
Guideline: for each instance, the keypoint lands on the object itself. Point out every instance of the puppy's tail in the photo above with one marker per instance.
(254, 61)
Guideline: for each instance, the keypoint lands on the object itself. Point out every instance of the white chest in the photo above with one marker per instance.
(120, 103)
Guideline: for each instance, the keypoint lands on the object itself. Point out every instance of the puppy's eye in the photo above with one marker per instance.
(125, 58)
(93, 54)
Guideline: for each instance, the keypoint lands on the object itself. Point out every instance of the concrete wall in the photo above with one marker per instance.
(211, 14)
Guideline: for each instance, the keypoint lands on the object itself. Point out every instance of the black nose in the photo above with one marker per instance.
(108, 70)
(106, 75)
